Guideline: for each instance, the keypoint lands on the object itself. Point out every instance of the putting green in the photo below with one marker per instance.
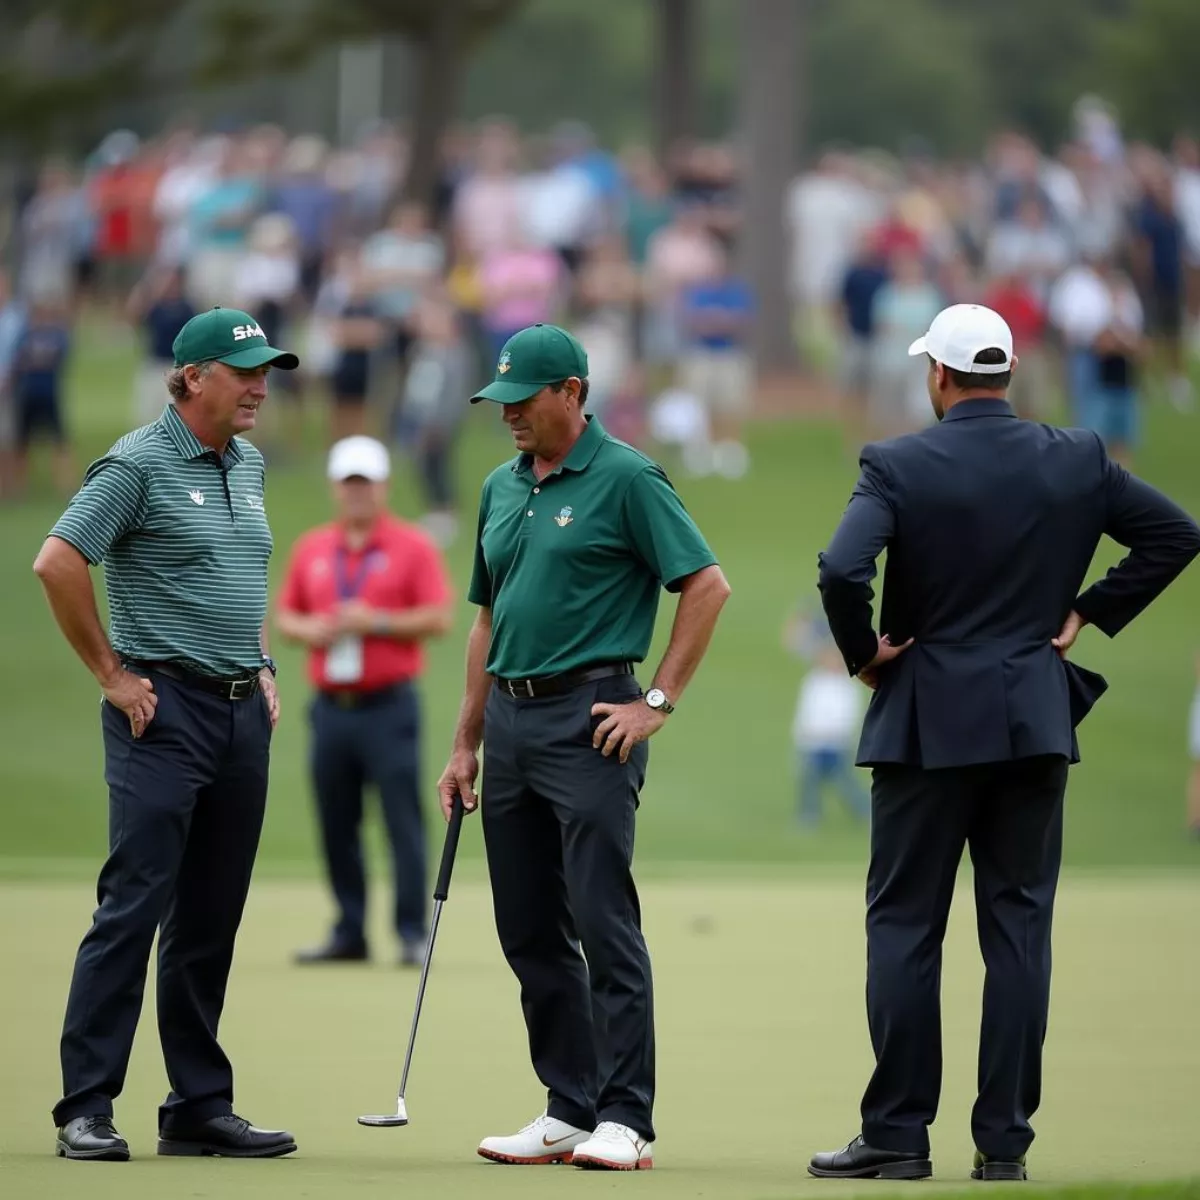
(762, 1047)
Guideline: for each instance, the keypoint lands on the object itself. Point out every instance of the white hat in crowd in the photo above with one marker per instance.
(359, 456)
(959, 333)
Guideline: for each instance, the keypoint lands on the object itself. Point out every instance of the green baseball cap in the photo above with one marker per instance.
(230, 336)
(532, 358)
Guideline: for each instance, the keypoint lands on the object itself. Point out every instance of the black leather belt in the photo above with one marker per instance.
(241, 688)
(350, 699)
(555, 685)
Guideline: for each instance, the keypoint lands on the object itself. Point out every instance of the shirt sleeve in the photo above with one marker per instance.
(661, 531)
(430, 583)
(480, 590)
(110, 504)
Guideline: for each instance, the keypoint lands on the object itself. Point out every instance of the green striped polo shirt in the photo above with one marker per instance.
(183, 536)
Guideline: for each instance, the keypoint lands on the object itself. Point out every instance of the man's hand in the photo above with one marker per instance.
(270, 693)
(356, 617)
(885, 654)
(134, 696)
(459, 776)
(320, 630)
(625, 725)
(1068, 633)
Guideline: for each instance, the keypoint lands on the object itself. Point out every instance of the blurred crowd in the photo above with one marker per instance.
(399, 308)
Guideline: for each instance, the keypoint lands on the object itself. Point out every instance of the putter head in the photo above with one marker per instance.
(389, 1121)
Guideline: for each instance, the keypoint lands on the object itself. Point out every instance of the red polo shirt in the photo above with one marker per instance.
(399, 568)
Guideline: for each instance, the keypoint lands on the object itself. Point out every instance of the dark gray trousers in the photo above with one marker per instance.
(558, 824)
(1010, 815)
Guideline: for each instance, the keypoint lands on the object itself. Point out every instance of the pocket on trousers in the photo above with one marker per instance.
(619, 689)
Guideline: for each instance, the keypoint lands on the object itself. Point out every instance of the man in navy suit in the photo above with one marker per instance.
(990, 524)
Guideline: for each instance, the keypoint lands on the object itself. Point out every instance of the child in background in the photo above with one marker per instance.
(39, 364)
(827, 721)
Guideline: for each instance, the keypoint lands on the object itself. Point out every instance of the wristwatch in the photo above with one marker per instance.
(656, 698)
(271, 665)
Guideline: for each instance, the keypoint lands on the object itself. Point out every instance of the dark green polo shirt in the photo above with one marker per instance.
(571, 566)
(184, 540)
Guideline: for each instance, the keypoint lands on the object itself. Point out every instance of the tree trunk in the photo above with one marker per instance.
(439, 61)
(674, 81)
(769, 103)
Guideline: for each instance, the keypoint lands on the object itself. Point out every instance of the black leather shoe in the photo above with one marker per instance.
(225, 1137)
(333, 952)
(857, 1160)
(996, 1169)
(91, 1138)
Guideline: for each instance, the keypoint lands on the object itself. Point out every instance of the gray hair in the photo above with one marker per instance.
(177, 383)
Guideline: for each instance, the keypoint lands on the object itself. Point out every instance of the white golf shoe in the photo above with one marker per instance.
(615, 1147)
(544, 1140)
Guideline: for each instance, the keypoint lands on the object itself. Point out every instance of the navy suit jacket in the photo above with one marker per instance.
(990, 524)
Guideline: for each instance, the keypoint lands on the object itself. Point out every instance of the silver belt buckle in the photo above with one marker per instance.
(527, 689)
(236, 686)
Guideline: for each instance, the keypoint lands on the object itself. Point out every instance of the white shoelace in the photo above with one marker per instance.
(537, 1123)
(611, 1131)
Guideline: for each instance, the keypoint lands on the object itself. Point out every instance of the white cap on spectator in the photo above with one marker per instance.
(959, 333)
(359, 456)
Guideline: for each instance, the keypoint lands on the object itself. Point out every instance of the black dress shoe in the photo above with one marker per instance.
(91, 1138)
(333, 952)
(225, 1137)
(860, 1161)
(996, 1169)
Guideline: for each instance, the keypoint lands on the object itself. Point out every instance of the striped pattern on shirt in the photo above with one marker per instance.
(183, 536)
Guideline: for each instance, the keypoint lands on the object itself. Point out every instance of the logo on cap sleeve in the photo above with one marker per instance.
(242, 332)
(505, 362)
(564, 516)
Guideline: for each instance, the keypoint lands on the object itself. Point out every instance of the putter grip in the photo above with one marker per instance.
(453, 829)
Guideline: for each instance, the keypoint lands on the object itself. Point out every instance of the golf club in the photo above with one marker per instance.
(440, 892)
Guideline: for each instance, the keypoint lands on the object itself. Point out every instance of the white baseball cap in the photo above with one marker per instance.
(960, 332)
(362, 456)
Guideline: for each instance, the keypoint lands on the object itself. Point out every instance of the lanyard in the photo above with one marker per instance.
(348, 589)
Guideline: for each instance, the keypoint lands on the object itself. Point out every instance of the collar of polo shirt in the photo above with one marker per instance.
(580, 455)
(187, 443)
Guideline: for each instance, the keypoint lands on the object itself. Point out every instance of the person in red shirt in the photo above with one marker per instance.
(363, 593)
(1016, 300)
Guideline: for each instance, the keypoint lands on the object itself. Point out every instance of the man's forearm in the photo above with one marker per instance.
(468, 733)
(700, 602)
(415, 624)
(67, 582)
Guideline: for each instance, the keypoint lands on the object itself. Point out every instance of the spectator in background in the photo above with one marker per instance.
(436, 391)
(159, 307)
(12, 325)
(825, 732)
(487, 204)
(606, 291)
(401, 262)
(1029, 246)
(716, 365)
(56, 239)
(1111, 410)
(363, 593)
(1018, 302)
(39, 365)
(356, 333)
(861, 285)
(521, 284)
(904, 308)
(305, 197)
(561, 207)
(678, 255)
(1158, 254)
(219, 220)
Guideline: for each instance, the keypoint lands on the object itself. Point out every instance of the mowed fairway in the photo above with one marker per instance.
(762, 1048)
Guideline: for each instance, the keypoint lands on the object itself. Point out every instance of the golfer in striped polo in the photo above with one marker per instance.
(175, 511)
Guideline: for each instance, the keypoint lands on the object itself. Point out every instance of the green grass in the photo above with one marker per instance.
(721, 787)
(762, 1048)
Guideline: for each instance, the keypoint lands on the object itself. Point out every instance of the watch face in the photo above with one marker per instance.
(655, 697)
